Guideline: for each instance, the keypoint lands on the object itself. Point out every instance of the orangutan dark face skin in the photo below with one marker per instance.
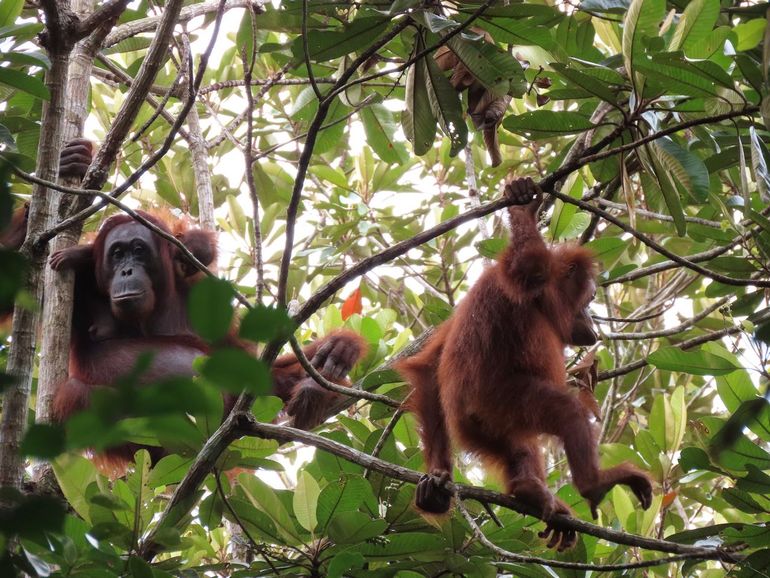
(132, 262)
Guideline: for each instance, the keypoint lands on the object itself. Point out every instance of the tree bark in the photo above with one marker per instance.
(21, 356)
(57, 307)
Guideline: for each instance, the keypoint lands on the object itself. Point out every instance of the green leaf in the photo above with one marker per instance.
(641, 21)
(760, 164)
(666, 188)
(324, 45)
(306, 500)
(234, 370)
(697, 362)
(210, 308)
(749, 34)
(680, 77)
(696, 22)
(547, 123)
(380, 128)
(397, 546)
(45, 441)
(668, 420)
(491, 248)
(265, 498)
(25, 82)
(263, 324)
(354, 528)
(418, 120)
(735, 388)
(498, 71)
(446, 107)
(586, 82)
(9, 11)
(344, 496)
(75, 474)
(686, 167)
(617, 6)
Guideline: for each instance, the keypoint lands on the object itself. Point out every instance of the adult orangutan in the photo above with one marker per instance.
(492, 377)
(131, 292)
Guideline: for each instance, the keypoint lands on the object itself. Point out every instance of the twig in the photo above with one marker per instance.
(687, 344)
(522, 559)
(387, 431)
(672, 330)
(248, 69)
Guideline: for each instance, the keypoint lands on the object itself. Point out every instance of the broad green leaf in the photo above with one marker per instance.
(498, 71)
(418, 120)
(686, 168)
(25, 82)
(324, 45)
(263, 324)
(695, 24)
(9, 11)
(354, 527)
(743, 501)
(684, 81)
(667, 189)
(306, 500)
(641, 21)
(668, 419)
(210, 308)
(446, 107)
(264, 497)
(75, 474)
(547, 123)
(617, 6)
(563, 212)
(696, 362)
(45, 441)
(396, 546)
(380, 127)
(586, 82)
(735, 388)
(346, 495)
(235, 370)
(520, 32)
(343, 561)
(749, 34)
(760, 163)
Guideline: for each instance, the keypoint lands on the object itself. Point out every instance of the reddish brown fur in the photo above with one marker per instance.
(104, 347)
(492, 377)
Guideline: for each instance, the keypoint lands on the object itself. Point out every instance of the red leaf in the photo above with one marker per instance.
(352, 304)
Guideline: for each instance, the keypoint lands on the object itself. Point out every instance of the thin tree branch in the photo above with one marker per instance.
(248, 425)
(150, 24)
(522, 559)
(687, 344)
(636, 336)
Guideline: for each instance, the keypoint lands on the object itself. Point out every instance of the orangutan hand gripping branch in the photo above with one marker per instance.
(492, 377)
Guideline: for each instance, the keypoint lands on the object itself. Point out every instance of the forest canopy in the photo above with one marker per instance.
(348, 156)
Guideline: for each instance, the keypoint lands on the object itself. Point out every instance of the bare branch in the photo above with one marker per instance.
(521, 559)
(248, 425)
